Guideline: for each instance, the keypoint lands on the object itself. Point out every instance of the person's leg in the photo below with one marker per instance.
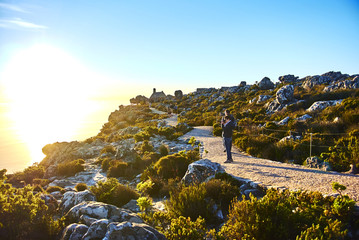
(224, 144)
(228, 143)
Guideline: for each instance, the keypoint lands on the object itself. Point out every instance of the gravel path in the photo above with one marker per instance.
(271, 173)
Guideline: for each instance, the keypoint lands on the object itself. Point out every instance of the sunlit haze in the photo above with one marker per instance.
(65, 65)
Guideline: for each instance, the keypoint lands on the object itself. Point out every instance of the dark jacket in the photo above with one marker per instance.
(228, 129)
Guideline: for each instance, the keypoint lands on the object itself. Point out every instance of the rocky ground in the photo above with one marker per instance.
(271, 173)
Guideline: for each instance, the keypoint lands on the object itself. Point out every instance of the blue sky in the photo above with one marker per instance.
(129, 47)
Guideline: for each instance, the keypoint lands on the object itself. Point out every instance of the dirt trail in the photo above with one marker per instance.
(271, 173)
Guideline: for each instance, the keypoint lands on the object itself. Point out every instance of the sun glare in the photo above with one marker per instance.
(49, 93)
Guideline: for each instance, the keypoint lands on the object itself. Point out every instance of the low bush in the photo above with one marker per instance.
(40, 181)
(287, 215)
(70, 168)
(164, 151)
(118, 169)
(81, 187)
(30, 173)
(105, 163)
(184, 228)
(146, 147)
(112, 192)
(141, 136)
(108, 150)
(172, 166)
(55, 189)
(24, 215)
(190, 202)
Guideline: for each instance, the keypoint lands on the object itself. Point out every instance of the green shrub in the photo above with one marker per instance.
(24, 215)
(30, 173)
(108, 150)
(38, 188)
(287, 215)
(190, 202)
(55, 189)
(81, 187)
(184, 228)
(171, 166)
(105, 163)
(222, 192)
(112, 192)
(40, 181)
(70, 168)
(168, 132)
(164, 151)
(146, 147)
(118, 169)
(217, 130)
(141, 136)
(145, 204)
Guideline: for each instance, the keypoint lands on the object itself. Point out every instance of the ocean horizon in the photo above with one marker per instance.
(17, 152)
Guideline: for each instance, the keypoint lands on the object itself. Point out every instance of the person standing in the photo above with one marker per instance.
(227, 113)
(227, 127)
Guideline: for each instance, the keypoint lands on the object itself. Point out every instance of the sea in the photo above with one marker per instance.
(17, 152)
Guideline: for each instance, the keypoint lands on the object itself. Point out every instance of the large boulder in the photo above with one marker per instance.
(178, 94)
(97, 230)
(321, 105)
(315, 162)
(288, 79)
(74, 231)
(311, 81)
(263, 98)
(132, 231)
(285, 94)
(265, 84)
(200, 171)
(99, 210)
(71, 199)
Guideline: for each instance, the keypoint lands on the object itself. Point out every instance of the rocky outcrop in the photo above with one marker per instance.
(321, 105)
(315, 162)
(265, 84)
(71, 199)
(288, 79)
(99, 210)
(303, 118)
(178, 94)
(263, 98)
(200, 171)
(139, 99)
(135, 231)
(284, 121)
(74, 231)
(346, 84)
(284, 96)
(66, 151)
(311, 81)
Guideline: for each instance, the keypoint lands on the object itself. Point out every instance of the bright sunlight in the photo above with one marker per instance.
(48, 92)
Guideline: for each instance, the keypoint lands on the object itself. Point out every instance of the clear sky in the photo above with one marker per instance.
(129, 47)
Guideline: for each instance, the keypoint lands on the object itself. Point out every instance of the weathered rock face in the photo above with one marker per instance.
(263, 98)
(288, 79)
(97, 230)
(265, 84)
(284, 121)
(74, 231)
(285, 94)
(67, 151)
(132, 231)
(304, 117)
(311, 81)
(201, 170)
(139, 99)
(347, 84)
(321, 105)
(71, 199)
(99, 210)
(315, 162)
(178, 94)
